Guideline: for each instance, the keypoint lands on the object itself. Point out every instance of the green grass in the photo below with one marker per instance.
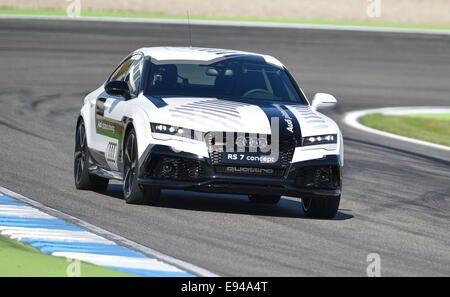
(48, 12)
(437, 116)
(21, 260)
(428, 127)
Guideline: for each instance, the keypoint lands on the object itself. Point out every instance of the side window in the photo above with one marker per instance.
(134, 74)
(130, 71)
(122, 71)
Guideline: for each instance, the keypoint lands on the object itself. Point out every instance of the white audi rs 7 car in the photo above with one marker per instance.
(209, 120)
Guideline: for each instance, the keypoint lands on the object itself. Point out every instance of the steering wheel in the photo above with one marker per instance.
(256, 91)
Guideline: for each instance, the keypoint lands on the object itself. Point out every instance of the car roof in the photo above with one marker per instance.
(160, 55)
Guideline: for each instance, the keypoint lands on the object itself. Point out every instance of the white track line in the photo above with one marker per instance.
(351, 119)
(119, 261)
(232, 24)
(100, 232)
(19, 233)
(23, 211)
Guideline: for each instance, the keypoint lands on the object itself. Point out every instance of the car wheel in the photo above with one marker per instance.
(266, 199)
(132, 192)
(84, 180)
(321, 208)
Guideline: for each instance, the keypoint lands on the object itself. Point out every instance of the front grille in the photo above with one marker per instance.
(178, 169)
(215, 151)
(215, 157)
(216, 143)
(287, 149)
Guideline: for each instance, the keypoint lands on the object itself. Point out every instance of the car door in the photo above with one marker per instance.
(110, 111)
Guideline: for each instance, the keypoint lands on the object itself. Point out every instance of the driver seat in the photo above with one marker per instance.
(253, 80)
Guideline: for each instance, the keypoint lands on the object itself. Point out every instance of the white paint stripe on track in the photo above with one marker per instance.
(119, 261)
(23, 212)
(351, 119)
(95, 233)
(49, 234)
(233, 24)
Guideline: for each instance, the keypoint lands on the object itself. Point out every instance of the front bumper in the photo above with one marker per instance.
(300, 179)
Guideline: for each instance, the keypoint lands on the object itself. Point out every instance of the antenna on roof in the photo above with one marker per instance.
(189, 27)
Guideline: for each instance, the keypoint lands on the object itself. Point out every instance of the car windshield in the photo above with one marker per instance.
(225, 79)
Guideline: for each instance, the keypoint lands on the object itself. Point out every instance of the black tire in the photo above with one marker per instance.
(321, 208)
(265, 199)
(84, 180)
(132, 192)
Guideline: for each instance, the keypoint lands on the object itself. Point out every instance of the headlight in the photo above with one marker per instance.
(320, 139)
(166, 129)
(176, 131)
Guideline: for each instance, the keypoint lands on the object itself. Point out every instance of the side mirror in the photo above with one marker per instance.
(118, 88)
(323, 100)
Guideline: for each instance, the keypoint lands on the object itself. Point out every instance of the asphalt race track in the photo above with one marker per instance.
(396, 196)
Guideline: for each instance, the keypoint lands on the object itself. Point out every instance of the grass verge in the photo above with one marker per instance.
(428, 127)
(48, 12)
(21, 260)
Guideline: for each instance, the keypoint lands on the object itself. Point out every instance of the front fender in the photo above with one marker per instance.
(138, 120)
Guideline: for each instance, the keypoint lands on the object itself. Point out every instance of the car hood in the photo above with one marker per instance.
(212, 114)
